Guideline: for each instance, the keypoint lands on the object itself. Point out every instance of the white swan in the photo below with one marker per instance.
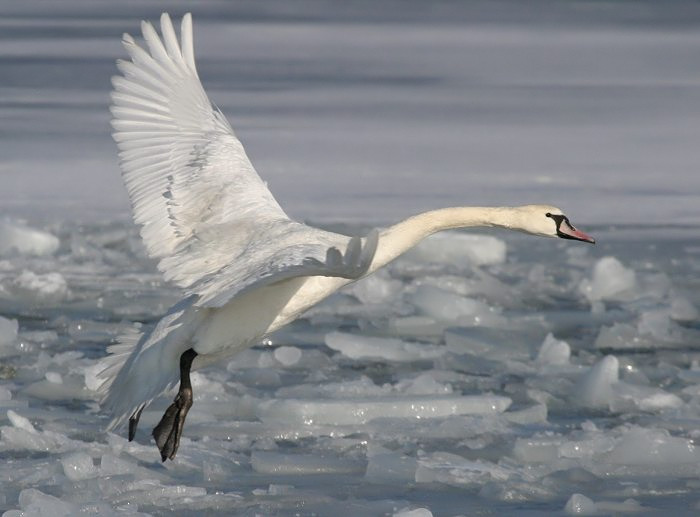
(219, 234)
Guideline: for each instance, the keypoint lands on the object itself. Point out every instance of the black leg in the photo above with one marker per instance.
(134, 422)
(168, 431)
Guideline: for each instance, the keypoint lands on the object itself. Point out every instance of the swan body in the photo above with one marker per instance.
(217, 231)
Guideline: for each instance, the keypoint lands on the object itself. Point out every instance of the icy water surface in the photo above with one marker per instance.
(488, 375)
(480, 374)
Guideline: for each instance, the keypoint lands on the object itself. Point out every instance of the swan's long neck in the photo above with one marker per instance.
(399, 238)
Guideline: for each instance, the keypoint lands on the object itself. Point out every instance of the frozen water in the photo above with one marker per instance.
(17, 237)
(595, 387)
(579, 504)
(611, 281)
(482, 373)
(358, 347)
(78, 465)
(416, 512)
(449, 307)
(8, 331)
(20, 422)
(288, 355)
(553, 351)
(48, 287)
(546, 404)
(459, 248)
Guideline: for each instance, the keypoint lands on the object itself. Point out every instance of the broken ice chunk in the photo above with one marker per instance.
(594, 389)
(445, 306)
(271, 462)
(17, 237)
(287, 355)
(40, 286)
(360, 347)
(8, 331)
(459, 247)
(358, 411)
(78, 466)
(611, 281)
(579, 504)
(553, 351)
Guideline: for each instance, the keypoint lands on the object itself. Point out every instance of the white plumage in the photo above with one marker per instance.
(205, 212)
(219, 233)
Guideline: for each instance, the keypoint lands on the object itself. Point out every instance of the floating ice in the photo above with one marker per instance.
(553, 351)
(359, 411)
(416, 512)
(377, 288)
(367, 347)
(38, 504)
(459, 247)
(17, 237)
(78, 466)
(621, 335)
(594, 389)
(611, 281)
(534, 289)
(5, 394)
(445, 306)
(111, 465)
(20, 422)
(8, 331)
(22, 435)
(550, 448)
(653, 329)
(385, 466)
(423, 384)
(40, 287)
(414, 326)
(535, 414)
(652, 447)
(659, 325)
(452, 469)
(492, 343)
(270, 462)
(683, 309)
(630, 397)
(287, 355)
(579, 504)
(54, 377)
(55, 387)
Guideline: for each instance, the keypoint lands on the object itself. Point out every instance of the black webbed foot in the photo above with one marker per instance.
(134, 422)
(169, 430)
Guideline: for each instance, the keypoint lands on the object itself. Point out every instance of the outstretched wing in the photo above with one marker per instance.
(305, 252)
(204, 211)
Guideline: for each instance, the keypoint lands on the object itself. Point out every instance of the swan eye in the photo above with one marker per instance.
(548, 214)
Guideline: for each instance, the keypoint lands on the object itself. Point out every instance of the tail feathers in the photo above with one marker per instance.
(118, 355)
(140, 367)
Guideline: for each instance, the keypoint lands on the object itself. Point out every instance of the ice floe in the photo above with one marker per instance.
(489, 384)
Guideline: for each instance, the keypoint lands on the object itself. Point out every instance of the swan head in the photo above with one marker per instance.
(550, 221)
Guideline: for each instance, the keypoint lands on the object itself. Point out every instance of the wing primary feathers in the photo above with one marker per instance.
(170, 40)
(204, 211)
(187, 38)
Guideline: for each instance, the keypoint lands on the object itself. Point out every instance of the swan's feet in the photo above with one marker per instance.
(134, 422)
(168, 431)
